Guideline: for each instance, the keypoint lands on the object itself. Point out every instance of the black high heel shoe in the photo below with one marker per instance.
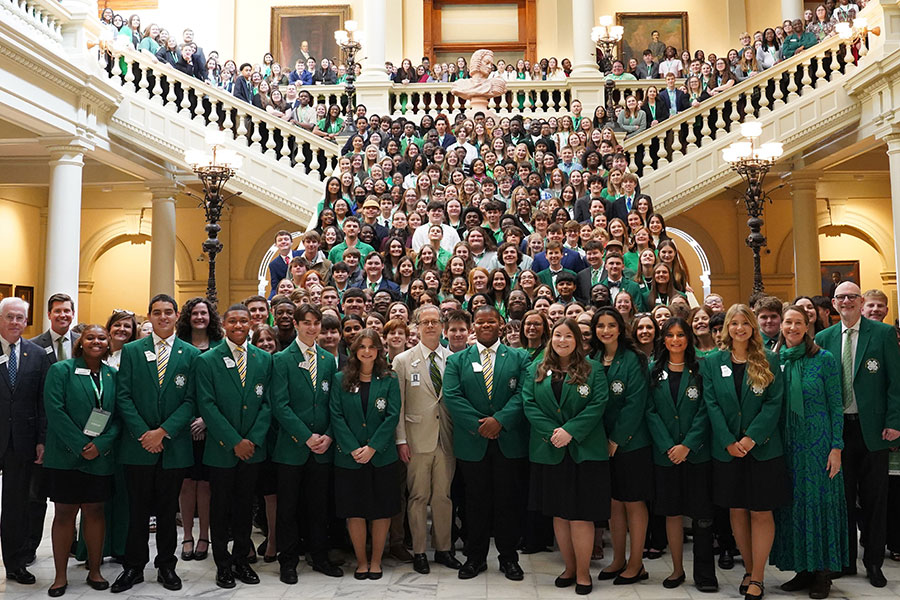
(742, 589)
(762, 591)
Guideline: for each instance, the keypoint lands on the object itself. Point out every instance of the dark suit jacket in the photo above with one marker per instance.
(168, 57)
(278, 270)
(23, 423)
(348, 145)
(583, 283)
(524, 138)
(619, 209)
(682, 101)
(645, 71)
(385, 284)
(662, 111)
(449, 140)
(242, 90)
(583, 208)
(45, 340)
(571, 260)
(194, 69)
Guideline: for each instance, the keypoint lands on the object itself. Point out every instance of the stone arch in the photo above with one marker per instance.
(118, 232)
(258, 268)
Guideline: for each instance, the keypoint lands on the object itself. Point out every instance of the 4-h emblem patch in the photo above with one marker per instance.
(663, 375)
(617, 387)
(381, 404)
(259, 390)
(180, 380)
(584, 390)
(324, 386)
(692, 392)
(758, 390)
(872, 365)
(512, 383)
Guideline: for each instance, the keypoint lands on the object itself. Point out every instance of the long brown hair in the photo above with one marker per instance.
(811, 347)
(579, 368)
(758, 371)
(351, 369)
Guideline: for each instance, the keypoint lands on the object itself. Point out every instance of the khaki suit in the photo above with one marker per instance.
(426, 426)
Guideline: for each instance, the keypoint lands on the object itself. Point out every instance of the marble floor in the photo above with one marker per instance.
(401, 581)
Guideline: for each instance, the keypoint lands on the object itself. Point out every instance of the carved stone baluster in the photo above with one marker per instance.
(662, 154)
(398, 107)
(705, 131)
(720, 121)
(198, 106)
(647, 161)
(691, 138)
(227, 123)
(329, 169)
(820, 70)
(156, 93)
(270, 141)
(185, 98)
(792, 83)
(256, 136)
(299, 166)
(777, 95)
(676, 143)
(242, 128)
(763, 100)
(129, 75)
(144, 85)
(632, 165)
(285, 152)
(735, 115)
(806, 80)
(314, 165)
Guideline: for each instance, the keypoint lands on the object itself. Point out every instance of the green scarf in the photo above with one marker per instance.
(792, 359)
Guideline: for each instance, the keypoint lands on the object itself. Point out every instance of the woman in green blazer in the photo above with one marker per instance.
(79, 400)
(564, 396)
(365, 410)
(743, 390)
(631, 463)
(679, 427)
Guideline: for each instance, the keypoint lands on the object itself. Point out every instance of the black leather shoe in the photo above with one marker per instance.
(800, 581)
(607, 575)
(583, 589)
(759, 596)
(288, 576)
(97, 585)
(57, 592)
(225, 578)
(375, 575)
(707, 586)
(326, 568)
(127, 579)
(167, 577)
(512, 570)
(187, 554)
(820, 586)
(876, 577)
(564, 582)
(726, 560)
(472, 569)
(671, 584)
(21, 575)
(447, 559)
(198, 555)
(245, 574)
(360, 575)
(622, 580)
(420, 564)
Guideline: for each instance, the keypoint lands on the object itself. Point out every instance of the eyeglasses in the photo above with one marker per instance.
(842, 297)
(430, 323)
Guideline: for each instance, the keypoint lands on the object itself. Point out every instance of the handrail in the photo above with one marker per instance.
(47, 16)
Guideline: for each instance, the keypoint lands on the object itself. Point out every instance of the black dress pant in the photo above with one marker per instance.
(13, 507)
(866, 479)
(152, 490)
(37, 509)
(893, 517)
(495, 501)
(304, 493)
(231, 511)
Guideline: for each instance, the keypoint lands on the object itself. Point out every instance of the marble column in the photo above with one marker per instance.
(162, 239)
(373, 47)
(893, 151)
(791, 9)
(807, 279)
(583, 53)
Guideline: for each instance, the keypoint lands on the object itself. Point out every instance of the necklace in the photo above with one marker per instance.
(675, 364)
(736, 360)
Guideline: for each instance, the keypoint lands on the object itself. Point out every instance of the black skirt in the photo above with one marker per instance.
(632, 475)
(758, 485)
(267, 481)
(199, 471)
(569, 490)
(368, 492)
(76, 487)
(684, 489)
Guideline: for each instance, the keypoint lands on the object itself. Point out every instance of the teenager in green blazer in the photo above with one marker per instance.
(233, 385)
(743, 391)
(304, 450)
(870, 378)
(631, 466)
(80, 404)
(155, 401)
(365, 410)
(564, 396)
(679, 427)
(482, 389)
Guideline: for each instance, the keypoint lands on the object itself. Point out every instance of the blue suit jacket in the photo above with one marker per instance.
(385, 284)
(278, 270)
(23, 423)
(571, 260)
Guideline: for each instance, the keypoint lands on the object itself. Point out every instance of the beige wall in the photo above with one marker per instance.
(21, 231)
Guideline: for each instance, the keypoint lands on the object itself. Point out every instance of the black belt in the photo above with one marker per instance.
(851, 416)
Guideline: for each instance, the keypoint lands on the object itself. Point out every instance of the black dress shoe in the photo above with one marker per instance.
(225, 578)
(360, 575)
(726, 560)
(269, 559)
(446, 558)
(759, 596)
(564, 582)
(583, 589)
(245, 574)
(420, 564)
(185, 554)
(512, 570)
(288, 575)
(127, 579)
(742, 588)
(21, 575)
(198, 555)
(97, 585)
(57, 592)
(800, 581)
(622, 580)
(707, 586)
(472, 569)
(876, 577)
(671, 584)
(375, 575)
(327, 568)
(820, 586)
(607, 575)
(169, 579)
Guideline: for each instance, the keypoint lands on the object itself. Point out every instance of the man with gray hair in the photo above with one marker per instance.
(23, 426)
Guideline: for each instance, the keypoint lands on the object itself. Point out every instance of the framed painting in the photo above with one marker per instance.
(26, 293)
(314, 25)
(835, 272)
(6, 290)
(639, 28)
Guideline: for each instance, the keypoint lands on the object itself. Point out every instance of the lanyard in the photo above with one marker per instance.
(98, 392)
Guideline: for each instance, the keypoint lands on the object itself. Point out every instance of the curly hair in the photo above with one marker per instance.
(758, 371)
(380, 369)
(183, 326)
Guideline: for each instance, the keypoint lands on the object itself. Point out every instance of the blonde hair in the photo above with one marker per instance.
(758, 371)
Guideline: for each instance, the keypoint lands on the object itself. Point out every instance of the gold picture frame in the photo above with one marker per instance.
(672, 27)
(291, 25)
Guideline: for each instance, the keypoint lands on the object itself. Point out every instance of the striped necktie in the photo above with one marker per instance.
(488, 371)
(435, 373)
(162, 360)
(847, 367)
(311, 365)
(241, 364)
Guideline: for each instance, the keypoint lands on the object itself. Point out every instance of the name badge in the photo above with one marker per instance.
(229, 362)
(726, 371)
(416, 362)
(48, 350)
(476, 366)
(150, 356)
(414, 380)
(96, 422)
(81, 371)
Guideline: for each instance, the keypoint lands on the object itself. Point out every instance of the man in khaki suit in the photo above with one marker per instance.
(425, 440)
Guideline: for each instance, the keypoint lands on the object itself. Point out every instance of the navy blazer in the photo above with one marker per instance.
(45, 340)
(571, 260)
(449, 140)
(385, 284)
(682, 101)
(242, 90)
(23, 423)
(620, 211)
(278, 270)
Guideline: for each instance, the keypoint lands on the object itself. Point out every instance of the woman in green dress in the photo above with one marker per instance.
(79, 400)
(331, 125)
(811, 532)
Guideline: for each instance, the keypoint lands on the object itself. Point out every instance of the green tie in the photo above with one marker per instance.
(435, 373)
(60, 349)
(847, 367)
(595, 276)
(373, 286)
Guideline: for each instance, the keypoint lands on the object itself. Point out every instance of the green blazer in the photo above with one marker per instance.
(546, 277)
(625, 416)
(679, 420)
(579, 411)
(69, 399)
(299, 409)
(467, 400)
(375, 428)
(876, 377)
(633, 289)
(233, 412)
(756, 414)
(143, 405)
